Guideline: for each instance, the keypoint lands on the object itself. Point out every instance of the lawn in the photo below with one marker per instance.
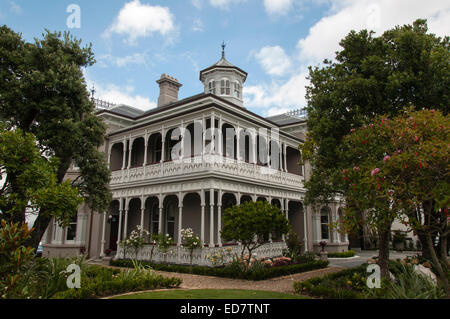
(211, 294)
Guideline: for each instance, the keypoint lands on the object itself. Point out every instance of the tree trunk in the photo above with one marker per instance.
(438, 266)
(40, 225)
(383, 255)
(423, 241)
(444, 251)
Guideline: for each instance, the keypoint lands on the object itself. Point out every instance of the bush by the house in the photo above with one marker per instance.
(229, 271)
(344, 254)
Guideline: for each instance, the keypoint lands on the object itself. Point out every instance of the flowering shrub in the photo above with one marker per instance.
(281, 261)
(220, 256)
(190, 242)
(164, 241)
(136, 240)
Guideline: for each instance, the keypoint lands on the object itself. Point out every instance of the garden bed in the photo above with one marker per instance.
(344, 254)
(231, 272)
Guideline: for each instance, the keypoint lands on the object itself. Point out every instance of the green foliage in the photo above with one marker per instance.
(410, 285)
(251, 223)
(344, 254)
(15, 257)
(294, 245)
(30, 180)
(370, 76)
(231, 272)
(43, 92)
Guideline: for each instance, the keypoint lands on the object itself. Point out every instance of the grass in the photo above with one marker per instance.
(211, 294)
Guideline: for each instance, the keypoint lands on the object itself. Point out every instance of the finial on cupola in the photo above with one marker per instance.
(223, 49)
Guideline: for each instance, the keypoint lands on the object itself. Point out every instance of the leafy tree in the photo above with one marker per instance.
(251, 223)
(29, 181)
(370, 76)
(400, 169)
(42, 91)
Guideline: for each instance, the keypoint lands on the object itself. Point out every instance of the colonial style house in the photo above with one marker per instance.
(181, 164)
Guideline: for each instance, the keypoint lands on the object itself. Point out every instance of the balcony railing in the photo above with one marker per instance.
(207, 163)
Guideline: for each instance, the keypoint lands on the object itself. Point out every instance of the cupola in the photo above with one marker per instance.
(224, 79)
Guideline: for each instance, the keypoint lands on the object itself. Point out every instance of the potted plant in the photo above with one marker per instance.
(323, 253)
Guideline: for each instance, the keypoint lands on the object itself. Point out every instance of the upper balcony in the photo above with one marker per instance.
(221, 148)
(216, 164)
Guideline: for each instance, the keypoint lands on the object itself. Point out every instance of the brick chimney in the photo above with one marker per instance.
(168, 89)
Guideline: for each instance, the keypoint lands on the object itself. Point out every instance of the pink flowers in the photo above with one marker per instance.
(374, 171)
(356, 168)
(386, 158)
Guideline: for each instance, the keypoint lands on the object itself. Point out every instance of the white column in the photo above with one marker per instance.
(142, 214)
(163, 143)
(305, 227)
(336, 237)
(220, 139)
(213, 135)
(219, 217)
(280, 151)
(124, 153)
(182, 143)
(180, 217)
(102, 247)
(130, 148)
(211, 218)
(268, 151)
(238, 142)
(202, 217)
(125, 223)
(119, 232)
(283, 209)
(145, 149)
(285, 157)
(109, 154)
(160, 221)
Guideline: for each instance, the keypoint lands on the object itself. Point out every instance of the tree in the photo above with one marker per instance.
(43, 92)
(400, 169)
(251, 224)
(371, 76)
(30, 183)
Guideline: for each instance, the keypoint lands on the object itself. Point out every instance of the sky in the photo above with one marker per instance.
(135, 41)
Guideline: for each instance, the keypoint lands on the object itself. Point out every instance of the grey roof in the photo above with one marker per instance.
(127, 110)
(285, 119)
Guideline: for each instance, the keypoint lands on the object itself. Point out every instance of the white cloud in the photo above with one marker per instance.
(197, 3)
(15, 7)
(197, 25)
(323, 40)
(277, 7)
(274, 60)
(136, 58)
(140, 20)
(118, 95)
(224, 4)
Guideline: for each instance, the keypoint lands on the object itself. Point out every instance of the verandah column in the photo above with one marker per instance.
(161, 205)
(211, 218)
(142, 214)
(202, 217)
(102, 248)
(180, 217)
(219, 217)
(119, 232)
(283, 236)
(125, 225)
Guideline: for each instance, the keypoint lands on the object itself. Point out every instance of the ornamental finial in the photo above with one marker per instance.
(223, 49)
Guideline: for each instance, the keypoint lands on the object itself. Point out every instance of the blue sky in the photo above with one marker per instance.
(135, 41)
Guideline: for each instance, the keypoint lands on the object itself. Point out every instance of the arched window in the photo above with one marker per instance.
(237, 89)
(225, 87)
(212, 87)
(324, 221)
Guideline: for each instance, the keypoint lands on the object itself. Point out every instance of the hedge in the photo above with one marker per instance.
(260, 274)
(344, 254)
(98, 289)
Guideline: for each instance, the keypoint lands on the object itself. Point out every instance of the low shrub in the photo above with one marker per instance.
(261, 273)
(113, 281)
(344, 254)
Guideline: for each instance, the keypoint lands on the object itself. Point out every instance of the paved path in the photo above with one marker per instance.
(364, 255)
